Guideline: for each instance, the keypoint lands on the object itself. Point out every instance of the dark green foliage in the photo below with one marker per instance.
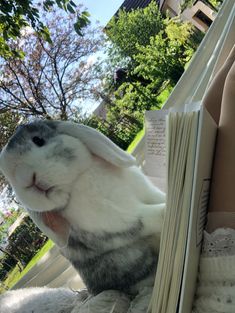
(8, 123)
(121, 130)
(23, 244)
(17, 14)
(134, 28)
(26, 240)
(6, 265)
(166, 55)
(148, 54)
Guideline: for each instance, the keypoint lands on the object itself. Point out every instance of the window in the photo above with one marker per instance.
(203, 17)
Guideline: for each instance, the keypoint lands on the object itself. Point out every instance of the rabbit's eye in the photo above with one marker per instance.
(38, 141)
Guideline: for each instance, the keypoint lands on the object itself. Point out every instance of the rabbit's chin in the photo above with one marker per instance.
(42, 201)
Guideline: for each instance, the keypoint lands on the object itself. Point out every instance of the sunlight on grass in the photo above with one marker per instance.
(15, 275)
(48, 245)
(136, 140)
(161, 99)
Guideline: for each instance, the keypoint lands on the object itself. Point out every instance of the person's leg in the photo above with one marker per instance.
(222, 196)
(213, 97)
(216, 279)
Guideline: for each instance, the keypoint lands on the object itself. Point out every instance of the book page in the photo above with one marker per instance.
(200, 195)
(202, 209)
(181, 145)
(186, 172)
(190, 148)
(155, 147)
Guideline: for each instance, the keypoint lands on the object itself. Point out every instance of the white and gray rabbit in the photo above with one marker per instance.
(115, 214)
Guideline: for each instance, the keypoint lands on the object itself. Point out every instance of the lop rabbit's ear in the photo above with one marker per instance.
(97, 143)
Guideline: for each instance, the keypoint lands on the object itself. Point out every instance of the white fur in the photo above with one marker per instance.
(39, 300)
(61, 300)
(100, 190)
(98, 144)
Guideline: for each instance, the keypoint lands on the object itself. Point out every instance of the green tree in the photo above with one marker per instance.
(53, 79)
(166, 55)
(157, 65)
(15, 15)
(151, 49)
(8, 123)
(148, 54)
(130, 29)
(23, 244)
(26, 240)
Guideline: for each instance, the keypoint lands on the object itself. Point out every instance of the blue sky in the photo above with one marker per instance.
(101, 10)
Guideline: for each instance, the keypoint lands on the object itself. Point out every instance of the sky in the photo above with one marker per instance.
(102, 10)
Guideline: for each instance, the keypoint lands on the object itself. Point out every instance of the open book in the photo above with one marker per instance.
(181, 145)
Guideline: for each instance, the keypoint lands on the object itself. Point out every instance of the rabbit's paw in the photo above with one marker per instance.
(59, 197)
(105, 302)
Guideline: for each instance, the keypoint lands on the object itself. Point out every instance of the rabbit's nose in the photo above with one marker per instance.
(39, 185)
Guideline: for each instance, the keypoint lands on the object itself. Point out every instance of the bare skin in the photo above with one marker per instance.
(220, 102)
(214, 94)
(57, 223)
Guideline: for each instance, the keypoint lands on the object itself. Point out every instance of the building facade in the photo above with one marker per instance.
(200, 14)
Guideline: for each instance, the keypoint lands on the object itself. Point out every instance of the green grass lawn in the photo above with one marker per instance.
(136, 140)
(15, 275)
(161, 99)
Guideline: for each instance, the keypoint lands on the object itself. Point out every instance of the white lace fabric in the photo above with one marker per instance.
(216, 280)
(219, 243)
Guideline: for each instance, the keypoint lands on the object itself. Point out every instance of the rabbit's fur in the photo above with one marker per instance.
(39, 300)
(62, 300)
(115, 214)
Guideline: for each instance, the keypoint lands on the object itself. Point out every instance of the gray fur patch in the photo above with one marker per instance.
(59, 152)
(116, 260)
(105, 240)
(118, 269)
(22, 139)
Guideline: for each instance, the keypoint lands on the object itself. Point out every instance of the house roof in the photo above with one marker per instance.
(128, 5)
